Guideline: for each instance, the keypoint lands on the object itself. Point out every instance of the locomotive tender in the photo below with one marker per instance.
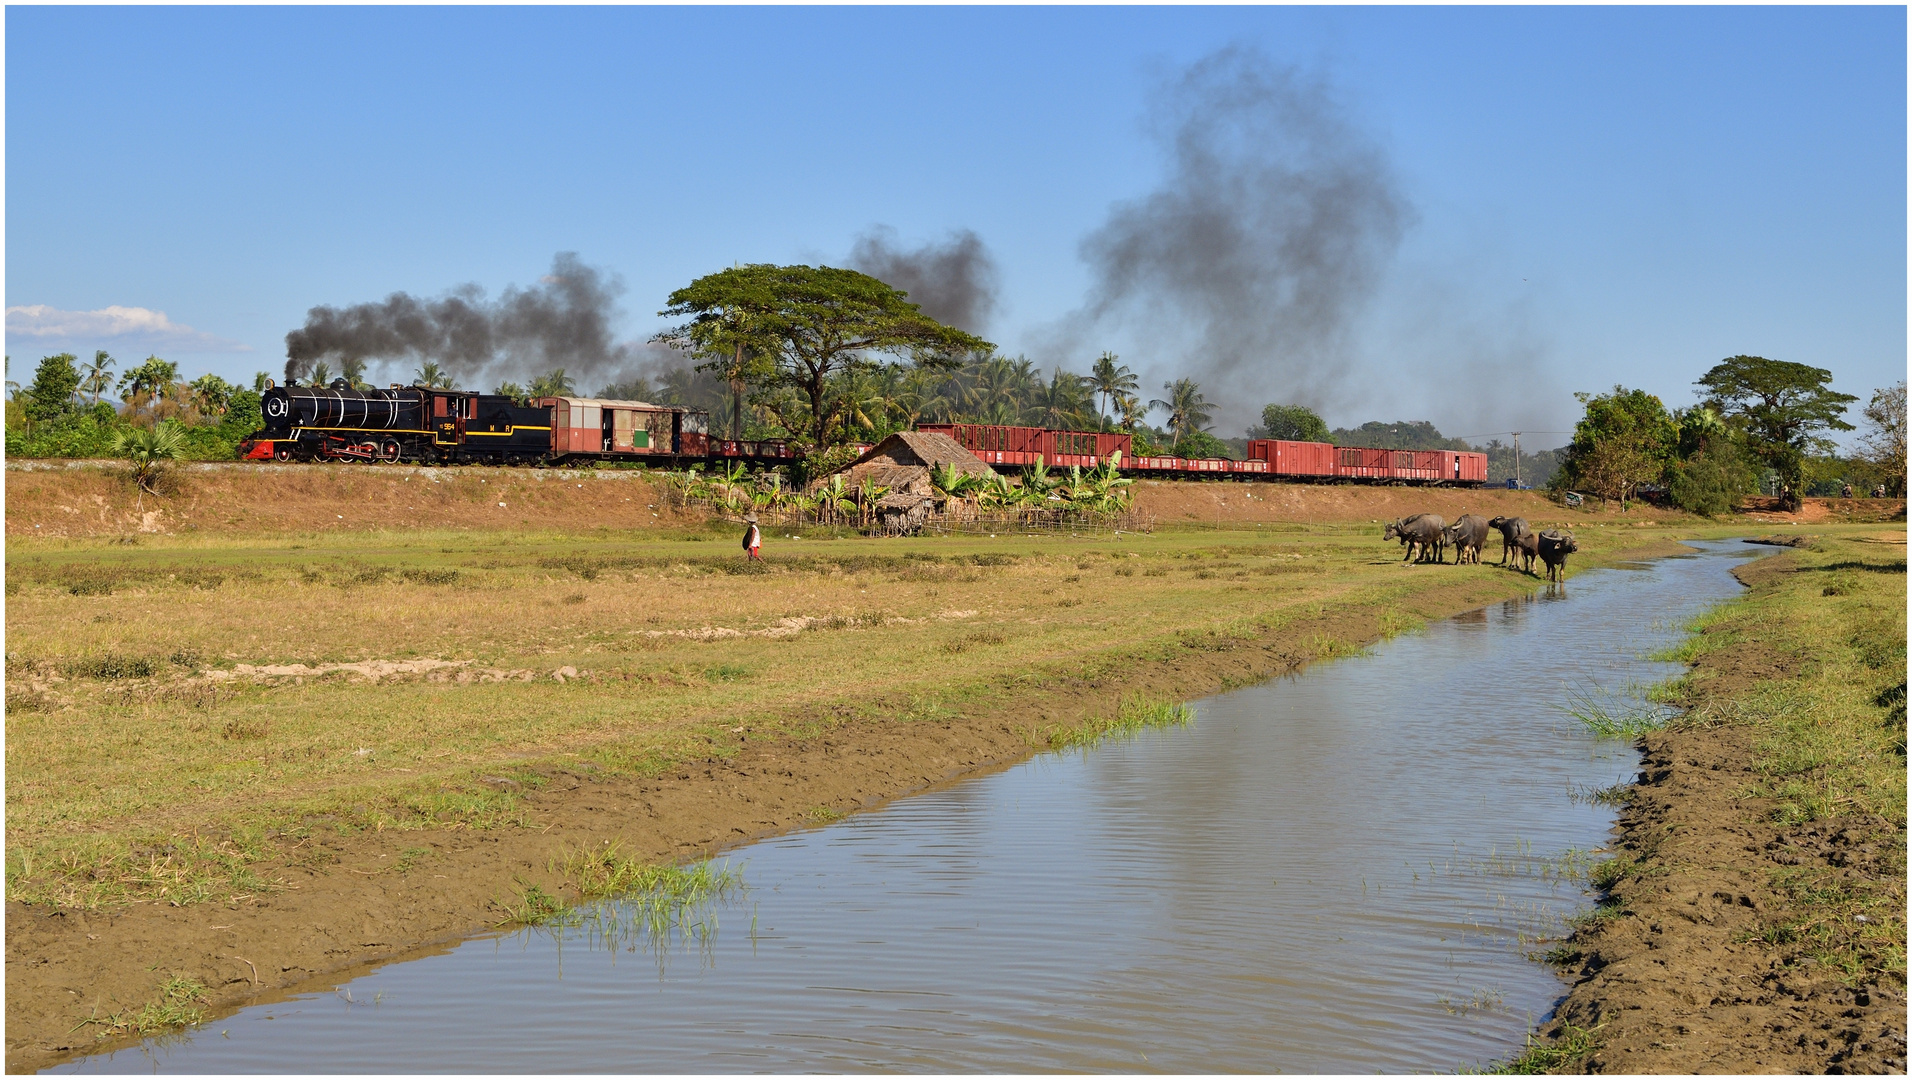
(430, 425)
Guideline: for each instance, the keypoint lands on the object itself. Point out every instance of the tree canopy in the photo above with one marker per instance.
(1294, 422)
(810, 323)
(1625, 439)
(1884, 444)
(54, 384)
(1781, 406)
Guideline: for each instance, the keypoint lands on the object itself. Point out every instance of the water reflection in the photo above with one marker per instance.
(1336, 871)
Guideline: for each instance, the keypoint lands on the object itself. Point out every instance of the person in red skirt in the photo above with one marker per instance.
(753, 540)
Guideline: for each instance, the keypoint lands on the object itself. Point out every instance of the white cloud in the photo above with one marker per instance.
(138, 327)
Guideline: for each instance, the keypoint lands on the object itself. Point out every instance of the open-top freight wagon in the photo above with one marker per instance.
(1267, 458)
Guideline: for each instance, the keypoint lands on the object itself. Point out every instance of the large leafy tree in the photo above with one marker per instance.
(810, 323)
(1781, 406)
(54, 384)
(1884, 444)
(1625, 439)
(1296, 422)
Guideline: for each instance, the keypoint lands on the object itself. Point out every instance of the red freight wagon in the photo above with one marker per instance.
(1000, 444)
(1362, 463)
(1286, 457)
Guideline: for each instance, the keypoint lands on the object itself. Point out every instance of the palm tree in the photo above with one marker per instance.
(97, 376)
(354, 372)
(1111, 380)
(151, 377)
(1060, 404)
(211, 395)
(433, 377)
(321, 374)
(1187, 408)
(554, 384)
(150, 448)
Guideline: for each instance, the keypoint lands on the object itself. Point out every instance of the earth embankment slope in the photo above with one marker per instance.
(92, 499)
(1755, 920)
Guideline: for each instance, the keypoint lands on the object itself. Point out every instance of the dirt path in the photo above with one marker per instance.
(371, 898)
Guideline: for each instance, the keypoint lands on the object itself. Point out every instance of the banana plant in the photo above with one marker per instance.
(834, 497)
(866, 496)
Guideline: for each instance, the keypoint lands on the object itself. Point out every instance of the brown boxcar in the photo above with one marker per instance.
(1287, 457)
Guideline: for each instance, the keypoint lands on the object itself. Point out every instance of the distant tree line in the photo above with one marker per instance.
(1762, 424)
(61, 412)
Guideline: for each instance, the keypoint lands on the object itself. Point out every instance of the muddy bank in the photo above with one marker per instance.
(1687, 973)
(354, 900)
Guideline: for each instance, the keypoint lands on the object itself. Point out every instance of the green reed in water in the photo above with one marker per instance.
(1137, 712)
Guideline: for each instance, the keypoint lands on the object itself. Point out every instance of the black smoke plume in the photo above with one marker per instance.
(562, 322)
(954, 282)
(1245, 268)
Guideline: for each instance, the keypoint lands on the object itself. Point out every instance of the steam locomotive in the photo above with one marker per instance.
(427, 424)
(430, 425)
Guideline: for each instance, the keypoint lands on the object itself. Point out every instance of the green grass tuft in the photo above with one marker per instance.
(1136, 713)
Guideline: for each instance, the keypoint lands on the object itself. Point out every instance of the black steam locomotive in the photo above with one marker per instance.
(431, 425)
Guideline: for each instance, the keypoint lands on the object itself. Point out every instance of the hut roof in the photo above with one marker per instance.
(885, 474)
(925, 448)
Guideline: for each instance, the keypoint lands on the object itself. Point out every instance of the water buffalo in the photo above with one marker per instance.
(1467, 535)
(1421, 534)
(1554, 549)
(1511, 530)
(1527, 547)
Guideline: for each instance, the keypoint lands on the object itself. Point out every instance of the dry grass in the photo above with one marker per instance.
(135, 727)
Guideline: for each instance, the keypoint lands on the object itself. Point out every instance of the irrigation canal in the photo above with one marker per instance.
(1340, 871)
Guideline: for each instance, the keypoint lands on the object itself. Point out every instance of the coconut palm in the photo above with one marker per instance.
(1187, 408)
(211, 395)
(97, 377)
(432, 376)
(1111, 380)
(151, 378)
(149, 449)
(321, 374)
(1062, 402)
(353, 371)
(554, 383)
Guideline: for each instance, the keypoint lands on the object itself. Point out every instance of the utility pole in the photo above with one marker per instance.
(1516, 460)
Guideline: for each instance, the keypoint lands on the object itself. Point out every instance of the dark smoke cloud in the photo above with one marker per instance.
(953, 282)
(562, 322)
(1246, 268)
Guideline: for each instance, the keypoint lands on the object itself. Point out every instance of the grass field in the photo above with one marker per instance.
(182, 707)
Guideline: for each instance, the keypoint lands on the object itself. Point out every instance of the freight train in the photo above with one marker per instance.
(431, 425)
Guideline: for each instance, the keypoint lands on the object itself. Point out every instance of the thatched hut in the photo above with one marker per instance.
(902, 462)
(901, 465)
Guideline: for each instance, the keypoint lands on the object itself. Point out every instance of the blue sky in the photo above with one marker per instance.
(1594, 195)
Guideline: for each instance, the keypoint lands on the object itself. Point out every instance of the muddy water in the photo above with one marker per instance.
(1336, 872)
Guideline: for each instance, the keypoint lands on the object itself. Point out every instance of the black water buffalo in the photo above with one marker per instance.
(1511, 530)
(1527, 547)
(1467, 535)
(1554, 549)
(1421, 534)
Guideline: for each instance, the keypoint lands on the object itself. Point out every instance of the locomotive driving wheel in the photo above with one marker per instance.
(389, 451)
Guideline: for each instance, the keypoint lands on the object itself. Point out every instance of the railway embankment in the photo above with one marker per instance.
(1754, 911)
